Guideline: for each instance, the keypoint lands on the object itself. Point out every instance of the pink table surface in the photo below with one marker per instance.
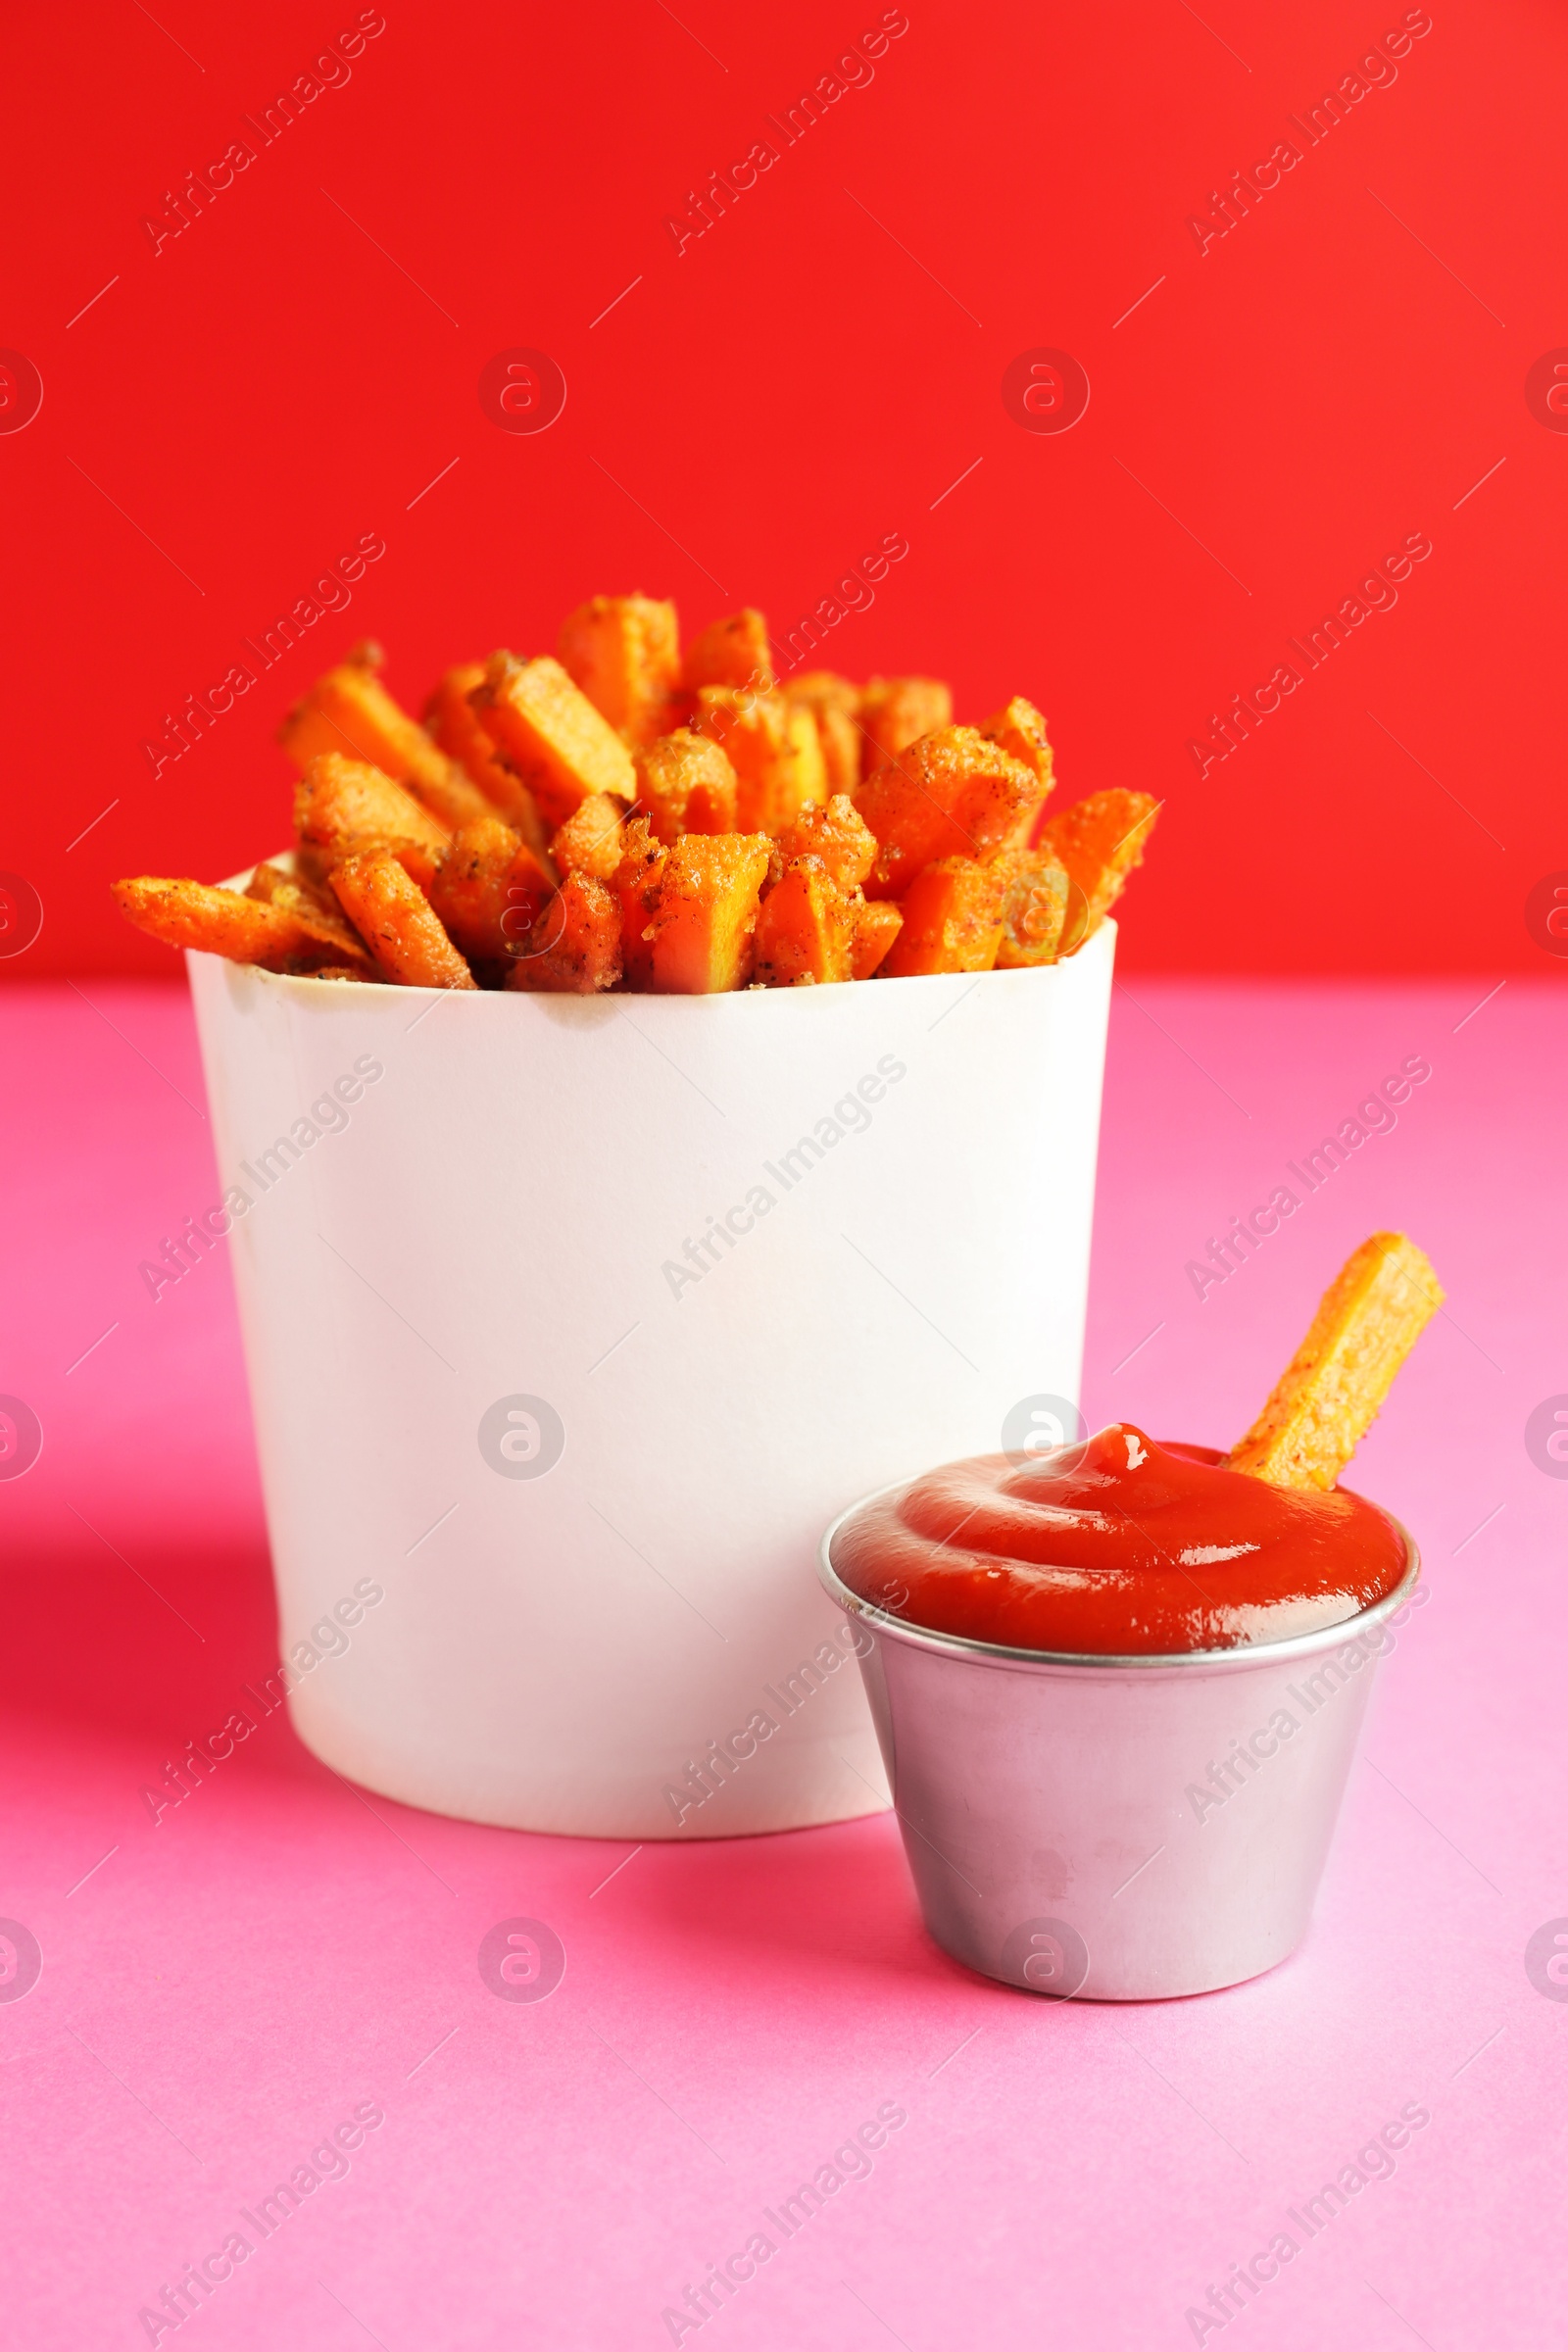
(219, 1991)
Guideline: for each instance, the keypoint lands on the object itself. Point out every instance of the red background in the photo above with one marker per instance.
(758, 411)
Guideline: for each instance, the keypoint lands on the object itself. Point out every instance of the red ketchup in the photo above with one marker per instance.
(1117, 1546)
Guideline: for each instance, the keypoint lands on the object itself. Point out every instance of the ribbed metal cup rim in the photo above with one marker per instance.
(1172, 1661)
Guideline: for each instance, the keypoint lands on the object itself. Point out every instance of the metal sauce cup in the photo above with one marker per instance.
(1116, 1829)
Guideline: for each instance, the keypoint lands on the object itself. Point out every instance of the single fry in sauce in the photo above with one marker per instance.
(1333, 1388)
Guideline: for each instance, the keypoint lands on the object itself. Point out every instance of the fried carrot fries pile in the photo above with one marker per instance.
(623, 815)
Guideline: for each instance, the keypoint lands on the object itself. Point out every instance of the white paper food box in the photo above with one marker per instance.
(571, 1323)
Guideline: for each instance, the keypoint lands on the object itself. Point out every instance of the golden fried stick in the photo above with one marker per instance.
(835, 705)
(184, 914)
(546, 728)
(1099, 839)
(452, 720)
(1020, 730)
(344, 805)
(1329, 1394)
(349, 710)
(488, 889)
(624, 653)
(730, 652)
(894, 712)
(398, 922)
(315, 913)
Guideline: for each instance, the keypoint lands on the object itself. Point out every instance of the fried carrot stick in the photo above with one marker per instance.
(315, 913)
(344, 805)
(398, 922)
(350, 710)
(184, 914)
(1329, 1394)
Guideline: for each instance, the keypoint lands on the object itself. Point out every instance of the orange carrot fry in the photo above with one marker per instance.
(550, 732)
(730, 652)
(574, 946)
(1331, 1391)
(319, 916)
(488, 889)
(454, 723)
(894, 712)
(951, 921)
(1099, 839)
(950, 794)
(774, 750)
(1034, 907)
(836, 832)
(876, 925)
(807, 784)
(349, 710)
(401, 927)
(686, 784)
(706, 913)
(805, 929)
(835, 705)
(342, 806)
(222, 922)
(624, 653)
(636, 884)
(589, 841)
(1020, 729)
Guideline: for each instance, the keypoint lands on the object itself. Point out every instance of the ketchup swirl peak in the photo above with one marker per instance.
(1119, 1546)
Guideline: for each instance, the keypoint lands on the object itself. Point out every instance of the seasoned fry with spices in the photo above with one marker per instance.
(222, 923)
(574, 946)
(1333, 1388)
(624, 653)
(350, 710)
(550, 732)
(398, 922)
(343, 806)
(685, 784)
(314, 911)
(1099, 839)
(453, 720)
(488, 889)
